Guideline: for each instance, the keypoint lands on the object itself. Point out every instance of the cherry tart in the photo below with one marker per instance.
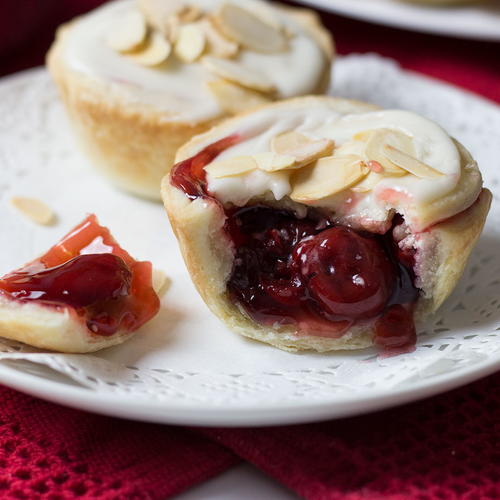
(84, 294)
(140, 78)
(321, 223)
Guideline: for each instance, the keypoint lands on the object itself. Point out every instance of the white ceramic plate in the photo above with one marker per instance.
(480, 22)
(185, 367)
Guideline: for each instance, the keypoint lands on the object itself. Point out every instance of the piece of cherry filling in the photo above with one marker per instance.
(89, 275)
(96, 285)
(320, 277)
(83, 281)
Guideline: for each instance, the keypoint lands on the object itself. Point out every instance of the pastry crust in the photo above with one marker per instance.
(208, 253)
(51, 328)
(131, 143)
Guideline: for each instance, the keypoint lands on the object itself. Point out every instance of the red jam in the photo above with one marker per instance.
(320, 276)
(189, 175)
(310, 272)
(90, 273)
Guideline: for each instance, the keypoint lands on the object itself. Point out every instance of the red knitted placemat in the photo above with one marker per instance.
(444, 448)
(50, 452)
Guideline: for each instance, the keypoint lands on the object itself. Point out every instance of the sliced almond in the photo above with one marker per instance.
(34, 209)
(158, 13)
(368, 183)
(160, 282)
(237, 73)
(410, 164)
(270, 15)
(155, 52)
(129, 32)
(308, 153)
(217, 44)
(355, 147)
(272, 162)
(231, 167)
(188, 14)
(190, 43)
(375, 142)
(287, 141)
(171, 30)
(301, 147)
(234, 99)
(250, 30)
(326, 177)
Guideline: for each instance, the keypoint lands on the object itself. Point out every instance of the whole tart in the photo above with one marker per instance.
(322, 223)
(139, 79)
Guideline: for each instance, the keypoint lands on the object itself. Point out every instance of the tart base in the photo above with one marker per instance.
(51, 329)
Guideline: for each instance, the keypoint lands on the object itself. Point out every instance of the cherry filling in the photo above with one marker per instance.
(189, 175)
(89, 272)
(309, 272)
(80, 282)
(320, 276)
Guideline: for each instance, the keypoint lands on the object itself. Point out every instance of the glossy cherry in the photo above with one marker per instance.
(81, 282)
(348, 273)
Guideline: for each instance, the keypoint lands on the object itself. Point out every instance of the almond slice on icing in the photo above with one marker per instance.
(129, 33)
(231, 167)
(156, 51)
(249, 30)
(237, 73)
(234, 99)
(287, 141)
(375, 142)
(218, 44)
(410, 164)
(301, 147)
(188, 14)
(272, 162)
(34, 209)
(190, 43)
(326, 177)
(159, 12)
(368, 183)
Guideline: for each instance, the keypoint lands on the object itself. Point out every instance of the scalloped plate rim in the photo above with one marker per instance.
(216, 413)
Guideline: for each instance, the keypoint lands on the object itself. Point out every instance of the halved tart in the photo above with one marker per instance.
(321, 223)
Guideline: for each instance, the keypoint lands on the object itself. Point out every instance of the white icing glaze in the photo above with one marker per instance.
(408, 195)
(179, 89)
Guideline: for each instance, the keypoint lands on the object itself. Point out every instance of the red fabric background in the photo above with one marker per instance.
(444, 448)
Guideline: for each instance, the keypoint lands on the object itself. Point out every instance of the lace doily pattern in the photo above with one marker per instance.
(185, 357)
